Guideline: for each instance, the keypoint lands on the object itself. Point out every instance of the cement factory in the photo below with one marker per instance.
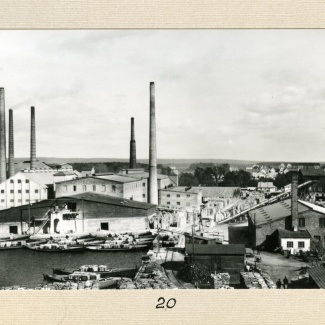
(223, 237)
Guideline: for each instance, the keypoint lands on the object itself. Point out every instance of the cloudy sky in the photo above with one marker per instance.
(234, 94)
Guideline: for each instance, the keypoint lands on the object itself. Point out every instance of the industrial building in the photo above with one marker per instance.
(87, 212)
(181, 197)
(124, 187)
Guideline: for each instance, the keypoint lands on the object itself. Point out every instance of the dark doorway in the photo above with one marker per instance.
(104, 226)
(13, 229)
(56, 222)
(72, 206)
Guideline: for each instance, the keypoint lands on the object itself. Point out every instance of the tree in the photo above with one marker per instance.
(188, 179)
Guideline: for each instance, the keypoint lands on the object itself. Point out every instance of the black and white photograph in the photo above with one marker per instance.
(162, 159)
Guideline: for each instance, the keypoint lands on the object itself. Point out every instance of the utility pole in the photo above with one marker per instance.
(29, 219)
(193, 243)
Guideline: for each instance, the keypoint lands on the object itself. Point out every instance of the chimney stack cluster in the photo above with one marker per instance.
(3, 154)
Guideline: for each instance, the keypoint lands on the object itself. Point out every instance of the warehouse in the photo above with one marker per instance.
(87, 212)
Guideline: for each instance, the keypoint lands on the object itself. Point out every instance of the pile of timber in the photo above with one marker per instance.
(254, 280)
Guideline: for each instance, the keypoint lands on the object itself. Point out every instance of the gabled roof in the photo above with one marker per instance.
(203, 249)
(318, 275)
(313, 172)
(293, 234)
(40, 177)
(275, 212)
(118, 178)
(218, 191)
(265, 184)
(181, 189)
(112, 200)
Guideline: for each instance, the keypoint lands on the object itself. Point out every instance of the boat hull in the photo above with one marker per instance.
(60, 250)
(122, 272)
(132, 249)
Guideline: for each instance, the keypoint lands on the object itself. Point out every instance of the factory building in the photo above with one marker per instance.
(181, 197)
(82, 213)
(20, 189)
(124, 187)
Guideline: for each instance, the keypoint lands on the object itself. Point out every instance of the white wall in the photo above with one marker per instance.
(295, 247)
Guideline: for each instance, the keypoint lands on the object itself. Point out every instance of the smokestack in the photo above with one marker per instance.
(294, 194)
(133, 153)
(11, 144)
(32, 139)
(3, 160)
(153, 188)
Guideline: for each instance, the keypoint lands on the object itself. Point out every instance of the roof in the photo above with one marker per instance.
(112, 200)
(43, 178)
(293, 234)
(318, 275)
(64, 173)
(217, 191)
(202, 249)
(145, 175)
(265, 184)
(181, 189)
(275, 212)
(118, 178)
(313, 172)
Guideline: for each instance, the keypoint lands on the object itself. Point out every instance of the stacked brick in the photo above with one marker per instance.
(221, 281)
(253, 280)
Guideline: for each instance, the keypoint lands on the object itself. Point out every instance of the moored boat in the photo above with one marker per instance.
(56, 248)
(125, 248)
(89, 278)
(12, 245)
(103, 270)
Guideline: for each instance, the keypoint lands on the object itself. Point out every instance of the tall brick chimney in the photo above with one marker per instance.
(133, 154)
(3, 160)
(294, 194)
(153, 187)
(32, 139)
(11, 145)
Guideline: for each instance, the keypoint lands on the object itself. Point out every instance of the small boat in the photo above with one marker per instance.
(107, 248)
(35, 243)
(12, 245)
(56, 248)
(15, 238)
(103, 270)
(93, 243)
(83, 277)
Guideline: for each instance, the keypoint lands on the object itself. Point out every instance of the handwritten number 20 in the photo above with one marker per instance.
(170, 303)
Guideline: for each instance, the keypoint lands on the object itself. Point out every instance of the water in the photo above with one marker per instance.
(26, 267)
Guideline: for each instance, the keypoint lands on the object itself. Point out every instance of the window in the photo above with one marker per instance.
(19, 180)
(36, 191)
(94, 188)
(114, 188)
(27, 191)
(321, 222)
(143, 184)
(317, 238)
(143, 195)
(19, 191)
(11, 181)
(13, 230)
(27, 181)
(11, 200)
(103, 188)
(2, 200)
(2, 191)
(104, 226)
(11, 191)
(301, 222)
(188, 195)
(168, 195)
(178, 203)
(178, 195)
(301, 244)
(74, 188)
(168, 203)
(84, 188)
(289, 244)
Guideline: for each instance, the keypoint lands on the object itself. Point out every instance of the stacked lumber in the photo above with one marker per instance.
(221, 281)
(253, 280)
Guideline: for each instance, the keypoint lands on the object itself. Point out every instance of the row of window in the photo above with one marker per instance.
(301, 244)
(19, 191)
(19, 181)
(188, 204)
(19, 200)
(134, 185)
(301, 222)
(85, 188)
(178, 195)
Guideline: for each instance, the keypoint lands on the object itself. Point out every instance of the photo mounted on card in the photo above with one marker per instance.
(162, 159)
